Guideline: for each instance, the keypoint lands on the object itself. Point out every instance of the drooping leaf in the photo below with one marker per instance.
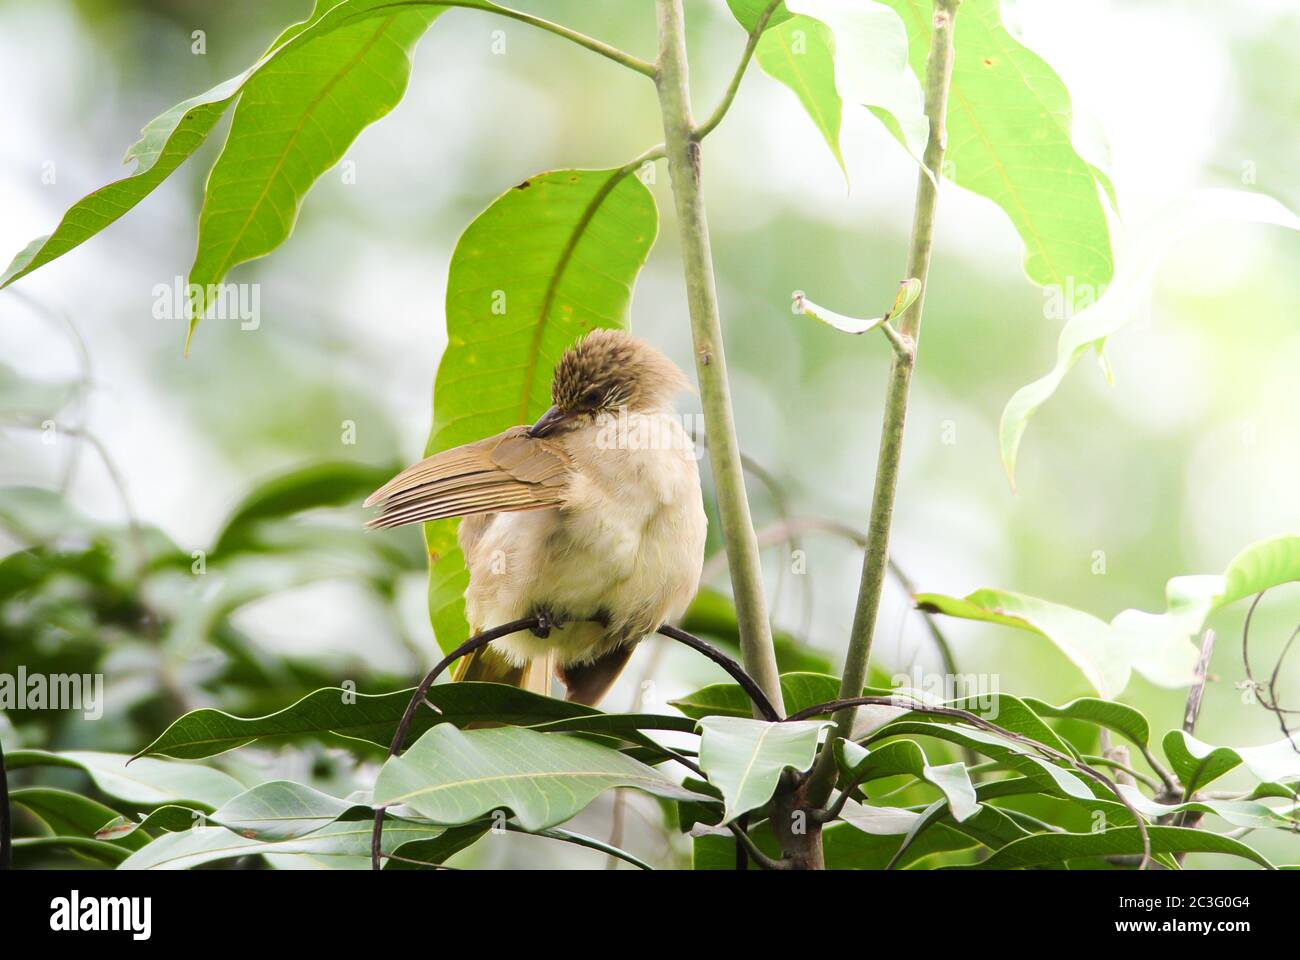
(1239, 813)
(338, 846)
(800, 53)
(453, 776)
(1044, 848)
(1197, 764)
(1141, 253)
(744, 758)
(1191, 599)
(1119, 717)
(359, 716)
(1089, 643)
(1009, 139)
(870, 51)
(146, 782)
(552, 258)
(296, 117)
(907, 757)
(908, 292)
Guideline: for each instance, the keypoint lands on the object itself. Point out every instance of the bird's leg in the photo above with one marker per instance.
(547, 620)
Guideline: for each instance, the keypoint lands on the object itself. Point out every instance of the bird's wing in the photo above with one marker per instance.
(508, 472)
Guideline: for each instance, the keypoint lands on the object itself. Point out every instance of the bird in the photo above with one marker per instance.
(591, 519)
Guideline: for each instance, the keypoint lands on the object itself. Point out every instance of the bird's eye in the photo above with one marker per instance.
(592, 397)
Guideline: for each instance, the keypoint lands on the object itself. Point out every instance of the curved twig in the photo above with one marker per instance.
(404, 725)
(720, 111)
(737, 672)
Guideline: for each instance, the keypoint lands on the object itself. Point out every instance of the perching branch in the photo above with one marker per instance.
(720, 111)
(683, 151)
(937, 82)
(761, 703)
(404, 725)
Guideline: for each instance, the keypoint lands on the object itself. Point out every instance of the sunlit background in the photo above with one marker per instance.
(1189, 457)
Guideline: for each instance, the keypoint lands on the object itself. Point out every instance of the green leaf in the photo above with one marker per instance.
(307, 488)
(870, 45)
(907, 757)
(552, 258)
(359, 716)
(1191, 599)
(453, 776)
(1198, 764)
(1124, 297)
(338, 846)
(798, 690)
(744, 758)
(747, 13)
(167, 819)
(1119, 717)
(845, 847)
(296, 117)
(283, 810)
(165, 143)
(1009, 139)
(800, 53)
(70, 814)
(171, 137)
(1089, 643)
(1239, 813)
(145, 782)
(1044, 848)
(95, 849)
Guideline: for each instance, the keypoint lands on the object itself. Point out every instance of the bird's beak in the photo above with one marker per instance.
(548, 422)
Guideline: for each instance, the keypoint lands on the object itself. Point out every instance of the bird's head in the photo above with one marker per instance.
(605, 372)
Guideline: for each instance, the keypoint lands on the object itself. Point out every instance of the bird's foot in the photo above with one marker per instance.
(546, 622)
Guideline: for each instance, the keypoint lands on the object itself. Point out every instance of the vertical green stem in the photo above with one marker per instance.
(938, 78)
(683, 150)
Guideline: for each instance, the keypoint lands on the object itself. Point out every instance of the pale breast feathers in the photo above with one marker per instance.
(508, 472)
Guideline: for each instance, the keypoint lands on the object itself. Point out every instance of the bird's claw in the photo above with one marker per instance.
(546, 622)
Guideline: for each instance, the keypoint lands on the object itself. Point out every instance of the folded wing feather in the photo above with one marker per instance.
(508, 472)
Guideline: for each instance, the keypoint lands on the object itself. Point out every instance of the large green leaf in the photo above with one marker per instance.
(145, 782)
(338, 846)
(1009, 139)
(454, 776)
(907, 757)
(1142, 252)
(745, 758)
(296, 117)
(1198, 764)
(552, 258)
(1239, 813)
(372, 718)
(1089, 643)
(1044, 848)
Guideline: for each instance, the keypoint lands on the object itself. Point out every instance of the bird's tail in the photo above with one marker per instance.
(488, 666)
